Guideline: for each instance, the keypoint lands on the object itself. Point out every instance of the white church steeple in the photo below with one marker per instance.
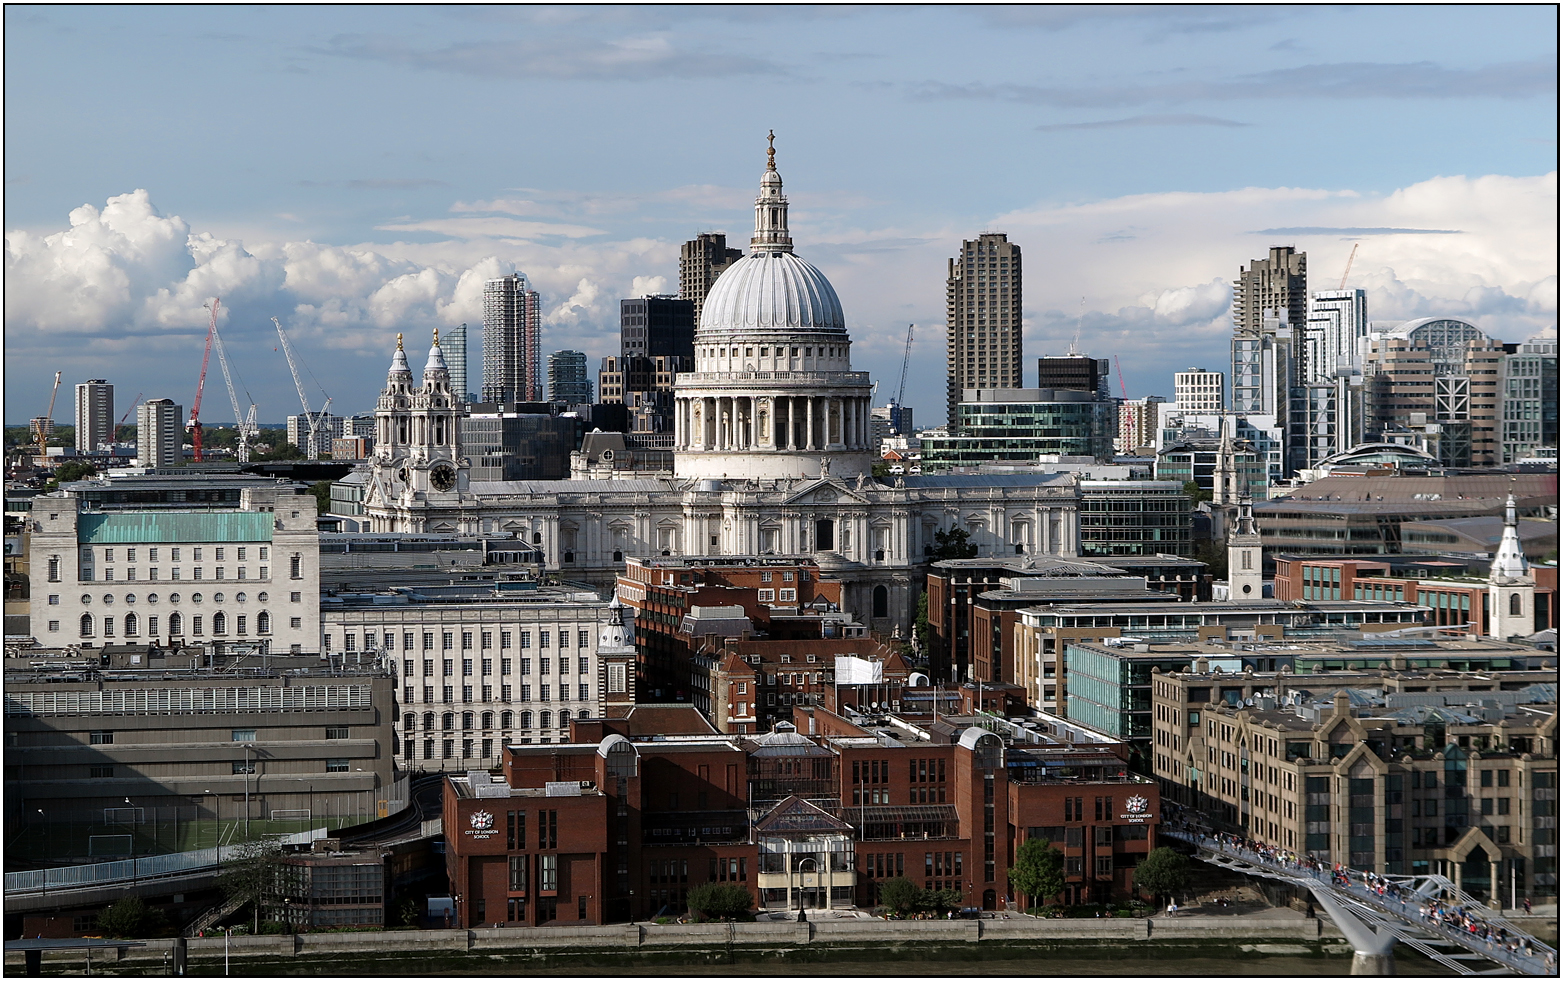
(1512, 590)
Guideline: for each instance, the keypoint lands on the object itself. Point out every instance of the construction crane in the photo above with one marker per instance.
(44, 425)
(906, 357)
(128, 410)
(1350, 257)
(1122, 389)
(245, 425)
(313, 451)
(194, 426)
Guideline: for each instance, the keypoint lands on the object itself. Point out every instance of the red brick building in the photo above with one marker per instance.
(612, 827)
(756, 682)
(1456, 589)
(781, 597)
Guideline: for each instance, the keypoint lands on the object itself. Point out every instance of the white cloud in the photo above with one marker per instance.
(127, 282)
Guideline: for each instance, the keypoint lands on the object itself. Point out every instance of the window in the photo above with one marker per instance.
(336, 765)
(243, 736)
(100, 772)
(295, 567)
(263, 623)
(447, 640)
(337, 732)
(243, 767)
(548, 872)
(505, 639)
(100, 737)
(488, 639)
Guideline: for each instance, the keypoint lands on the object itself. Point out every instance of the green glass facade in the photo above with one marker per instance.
(1135, 518)
(992, 430)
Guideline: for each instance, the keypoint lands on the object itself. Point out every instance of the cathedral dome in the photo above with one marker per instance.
(771, 291)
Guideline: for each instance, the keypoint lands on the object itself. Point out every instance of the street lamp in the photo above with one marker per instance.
(800, 865)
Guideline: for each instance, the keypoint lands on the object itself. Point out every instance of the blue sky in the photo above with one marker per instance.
(357, 171)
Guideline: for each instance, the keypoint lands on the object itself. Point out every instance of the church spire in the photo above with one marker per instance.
(399, 363)
(1509, 560)
(770, 208)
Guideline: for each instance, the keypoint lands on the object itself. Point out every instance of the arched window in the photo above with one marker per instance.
(526, 721)
(132, 626)
(176, 624)
(537, 538)
(505, 720)
(545, 720)
(619, 557)
(409, 722)
(466, 721)
(263, 623)
(1515, 606)
(882, 602)
(219, 623)
(86, 625)
(488, 721)
(428, 721)
(447, 721)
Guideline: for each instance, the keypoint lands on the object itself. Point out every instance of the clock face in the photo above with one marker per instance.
(443, 478)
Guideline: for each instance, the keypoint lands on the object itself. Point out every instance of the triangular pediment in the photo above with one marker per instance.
(795, 816)
(823, 491)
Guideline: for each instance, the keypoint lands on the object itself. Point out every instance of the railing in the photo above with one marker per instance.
(1407, 899)
(841, 378)
(180, 701)
(95, 874)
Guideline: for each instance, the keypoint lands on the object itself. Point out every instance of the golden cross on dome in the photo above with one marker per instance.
(399, 340)
(771, 150)
(437, 337)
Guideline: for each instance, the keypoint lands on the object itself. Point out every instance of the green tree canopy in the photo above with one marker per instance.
(131, 917)
(280, 451)
(1162, 873)
(322, 492)
(953, 543)
(721, 900)
(251, 873)
(901, 895)
(1196, 493)
(1038, 871)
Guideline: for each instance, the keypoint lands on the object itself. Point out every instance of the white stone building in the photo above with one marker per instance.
(773, 449)
(478, 670)
(170, 575)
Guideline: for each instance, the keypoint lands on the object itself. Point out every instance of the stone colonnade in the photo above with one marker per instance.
(805, 423)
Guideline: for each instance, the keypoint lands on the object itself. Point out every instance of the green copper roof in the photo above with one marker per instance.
(155, 527)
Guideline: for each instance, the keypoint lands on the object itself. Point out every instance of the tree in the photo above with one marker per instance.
(721, 900)
(941, 900)
(132, 918)
(1038, 871)
(322, 492)
(280, 451)
(1162, 873)
(920, 625)
(901, 895)
(1196, 493)
(952, 544)
(251, 874)
(75, 470)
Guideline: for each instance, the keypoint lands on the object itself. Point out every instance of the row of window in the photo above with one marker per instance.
(485, 721)
(295, 570)
(386, 641)
(507, 693)
(264, 552)
(583, 666)
(173, 598)
(131, 625)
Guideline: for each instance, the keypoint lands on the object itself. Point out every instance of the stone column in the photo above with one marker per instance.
(809, 423)
(1494, 899)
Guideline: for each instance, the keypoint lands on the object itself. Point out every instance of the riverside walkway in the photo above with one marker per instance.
(1374, 910)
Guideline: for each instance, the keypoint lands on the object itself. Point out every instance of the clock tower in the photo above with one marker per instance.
(418, 451)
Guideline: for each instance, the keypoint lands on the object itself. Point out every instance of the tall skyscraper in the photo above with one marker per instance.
(454, 344)
(512, 335)
(656, 343)
(567, 378)
(1278, 282)
(94, 414)
(701, 261)
(1199, 390)
(1334, 339)
(159, 433)
(982, 319)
